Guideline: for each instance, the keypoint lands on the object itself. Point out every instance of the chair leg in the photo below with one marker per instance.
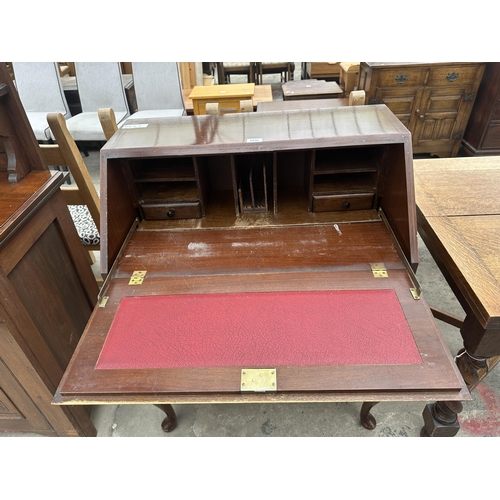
(91, 257)
(83, 148)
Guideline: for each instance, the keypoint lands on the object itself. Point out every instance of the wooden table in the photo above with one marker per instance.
(311, 89)
(262, 93)
(458, 208)
(302, 104)
(228, 96)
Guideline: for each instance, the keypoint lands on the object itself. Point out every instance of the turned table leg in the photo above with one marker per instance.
(170, 421)
(441, 418)
(367, 419)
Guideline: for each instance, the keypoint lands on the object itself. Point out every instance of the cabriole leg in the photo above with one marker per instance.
(367, 419)
(170, 421)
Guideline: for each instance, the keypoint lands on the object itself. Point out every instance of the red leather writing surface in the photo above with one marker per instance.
(265, 329)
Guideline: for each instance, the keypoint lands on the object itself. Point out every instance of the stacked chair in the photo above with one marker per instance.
(40, 90)
(100, 85)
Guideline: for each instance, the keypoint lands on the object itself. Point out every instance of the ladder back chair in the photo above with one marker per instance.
(82, 199)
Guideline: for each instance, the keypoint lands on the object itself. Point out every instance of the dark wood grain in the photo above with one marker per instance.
(47, 288)
(16, 134)
(82, 381)
(288, 248)
(482, 135)
(459, 221)
(433, 100)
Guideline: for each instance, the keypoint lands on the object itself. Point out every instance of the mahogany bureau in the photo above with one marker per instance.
(260, 257)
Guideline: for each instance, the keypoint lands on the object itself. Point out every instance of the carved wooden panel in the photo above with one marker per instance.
(18, 412)
(7, 407)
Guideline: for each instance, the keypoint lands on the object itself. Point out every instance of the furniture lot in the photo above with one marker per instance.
(47, 288)
(214, 163)
(432, 100)
(458, 207)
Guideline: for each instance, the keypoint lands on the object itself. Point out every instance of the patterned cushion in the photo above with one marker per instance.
(85, 226)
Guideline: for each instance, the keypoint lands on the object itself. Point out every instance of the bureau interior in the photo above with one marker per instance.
(344, 184)
(342, 180)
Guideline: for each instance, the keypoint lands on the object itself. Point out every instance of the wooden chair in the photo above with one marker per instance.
(100, 84)
(158, 90)
(40, 89)
(82, 199)
(357, 98)
(226, 69)
(284, 69)
(108, 122)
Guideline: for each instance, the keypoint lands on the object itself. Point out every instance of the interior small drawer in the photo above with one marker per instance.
(404, 77)
(162, 211)
(464, 75)
(334, 202)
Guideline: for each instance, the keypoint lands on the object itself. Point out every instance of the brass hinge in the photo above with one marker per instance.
(416, 291)
(258, 380)
(137, 278)
(111, 272)
(379, 270)
(103, 301)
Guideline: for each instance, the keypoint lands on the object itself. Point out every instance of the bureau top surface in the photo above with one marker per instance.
(266, 131)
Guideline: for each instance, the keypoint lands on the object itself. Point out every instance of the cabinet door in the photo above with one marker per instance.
(441, 119)
(18, 413)
(401, 101)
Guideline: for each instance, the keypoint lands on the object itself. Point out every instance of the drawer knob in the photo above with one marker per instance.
(451, 77)
(170, 213)
(401, 78)
(346, 205)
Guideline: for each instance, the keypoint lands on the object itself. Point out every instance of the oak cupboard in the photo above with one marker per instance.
(432, 100)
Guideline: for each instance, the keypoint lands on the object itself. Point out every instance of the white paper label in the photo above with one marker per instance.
(254, 140)
(138, 125)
